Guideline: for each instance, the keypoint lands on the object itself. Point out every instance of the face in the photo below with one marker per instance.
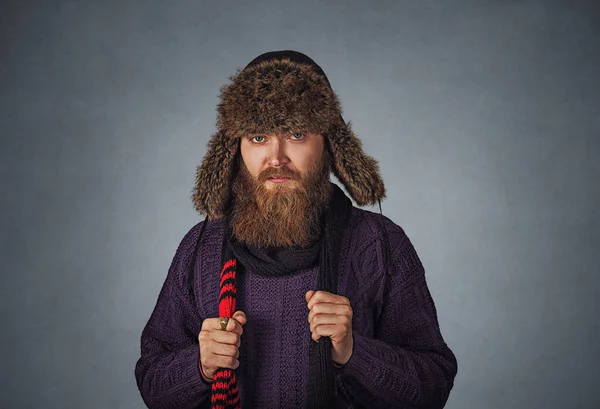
(280, 190)
(279, 161)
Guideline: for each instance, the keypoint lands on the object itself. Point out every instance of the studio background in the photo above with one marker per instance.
(484, 116)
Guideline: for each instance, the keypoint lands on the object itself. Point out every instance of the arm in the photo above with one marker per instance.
(168, 374)
(407, 364)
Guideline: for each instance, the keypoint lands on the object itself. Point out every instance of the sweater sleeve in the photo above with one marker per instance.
(406, 364)
(168, 373)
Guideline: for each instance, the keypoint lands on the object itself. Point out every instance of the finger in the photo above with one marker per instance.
(213, 355)
(335, 332)
(240, 317)
(224, 337)
(211, 324)
(333, 309)
(208, 338)
(325, 297)
(225, 350)
(221, 361)
(309, 295)
(234, 326)
(326, 319)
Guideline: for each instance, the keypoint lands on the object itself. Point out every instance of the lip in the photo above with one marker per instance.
(278, 180)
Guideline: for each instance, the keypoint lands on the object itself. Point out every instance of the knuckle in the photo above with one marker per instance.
(203, 335)
(206, 323)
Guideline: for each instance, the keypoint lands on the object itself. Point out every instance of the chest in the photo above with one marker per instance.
(276, 311)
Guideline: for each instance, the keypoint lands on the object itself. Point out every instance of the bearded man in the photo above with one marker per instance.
(287, 295)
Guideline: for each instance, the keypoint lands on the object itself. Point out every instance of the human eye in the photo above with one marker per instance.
(257, 138)
(297, 136)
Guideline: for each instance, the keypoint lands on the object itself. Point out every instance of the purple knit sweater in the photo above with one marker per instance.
(399, 360)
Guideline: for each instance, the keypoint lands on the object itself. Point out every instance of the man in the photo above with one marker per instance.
(288, 296)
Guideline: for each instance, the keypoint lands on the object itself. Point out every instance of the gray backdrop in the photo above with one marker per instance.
(484, 117)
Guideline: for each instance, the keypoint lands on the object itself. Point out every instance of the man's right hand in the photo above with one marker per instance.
(218, 348)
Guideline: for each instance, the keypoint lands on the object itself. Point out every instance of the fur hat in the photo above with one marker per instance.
(281, 92)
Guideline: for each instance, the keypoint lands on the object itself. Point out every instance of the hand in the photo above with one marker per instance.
(331, 316)
(218, 348)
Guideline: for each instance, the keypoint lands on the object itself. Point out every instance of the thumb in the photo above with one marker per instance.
(309, 295)
(240, 317)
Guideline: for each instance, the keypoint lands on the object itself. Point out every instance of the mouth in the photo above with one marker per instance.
(279, 179)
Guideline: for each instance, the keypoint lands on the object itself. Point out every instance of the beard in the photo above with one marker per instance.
(283, 216)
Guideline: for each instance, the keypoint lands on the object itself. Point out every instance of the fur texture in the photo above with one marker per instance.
(281, 96)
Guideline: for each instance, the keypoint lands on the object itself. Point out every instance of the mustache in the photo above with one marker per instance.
(278, 173)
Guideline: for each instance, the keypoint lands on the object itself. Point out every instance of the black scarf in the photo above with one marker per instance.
(274, 262)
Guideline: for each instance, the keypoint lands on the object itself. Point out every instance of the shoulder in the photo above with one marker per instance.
(377, 239)
(196, 237)
(375, 227)
(204, 231)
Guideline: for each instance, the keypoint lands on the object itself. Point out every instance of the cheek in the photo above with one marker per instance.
(253, 159)
(307, 157)
(310, 163)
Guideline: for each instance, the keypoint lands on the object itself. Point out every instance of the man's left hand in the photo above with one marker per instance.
(330, 316)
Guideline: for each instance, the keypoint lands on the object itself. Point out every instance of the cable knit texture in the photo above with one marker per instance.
(400, 359)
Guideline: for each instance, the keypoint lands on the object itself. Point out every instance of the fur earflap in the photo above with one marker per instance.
(358, 172)
(215, 176)
(281, 92)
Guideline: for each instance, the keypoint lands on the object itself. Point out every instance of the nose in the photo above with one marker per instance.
(277, 155)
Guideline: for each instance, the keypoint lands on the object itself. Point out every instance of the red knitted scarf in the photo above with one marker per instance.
(225, 392)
